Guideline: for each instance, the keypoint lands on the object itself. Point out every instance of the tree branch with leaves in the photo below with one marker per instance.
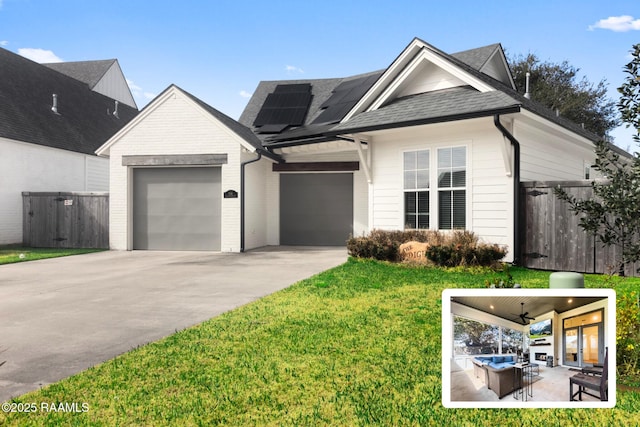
(612, 214)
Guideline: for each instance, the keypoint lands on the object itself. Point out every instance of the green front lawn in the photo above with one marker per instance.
(359, 344)
(11, 254)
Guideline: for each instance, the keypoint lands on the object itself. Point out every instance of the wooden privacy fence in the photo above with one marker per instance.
(65, 220)
(550, 235)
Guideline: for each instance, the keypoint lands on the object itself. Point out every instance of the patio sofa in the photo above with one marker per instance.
(497, 372)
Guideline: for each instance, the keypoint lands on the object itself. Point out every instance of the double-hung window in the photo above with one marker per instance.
(416, 189)
(452, 184)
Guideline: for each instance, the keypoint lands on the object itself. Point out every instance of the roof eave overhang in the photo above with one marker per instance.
(337, 134)
(270, 155)
(589, 138)
(302, 141)
(431, 120)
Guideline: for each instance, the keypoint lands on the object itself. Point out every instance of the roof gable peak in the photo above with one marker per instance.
(420, 68)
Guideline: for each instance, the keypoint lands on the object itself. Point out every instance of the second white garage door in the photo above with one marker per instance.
(177, 208)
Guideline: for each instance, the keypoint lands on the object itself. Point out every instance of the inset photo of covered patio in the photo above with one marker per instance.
(528, 348)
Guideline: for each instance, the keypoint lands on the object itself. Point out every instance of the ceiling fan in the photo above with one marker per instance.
(523, 316)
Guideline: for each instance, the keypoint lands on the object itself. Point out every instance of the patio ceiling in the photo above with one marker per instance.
(509, 308)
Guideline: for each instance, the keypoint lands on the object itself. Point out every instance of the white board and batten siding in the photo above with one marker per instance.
(175, 125)
(34, 168)
(489, 193)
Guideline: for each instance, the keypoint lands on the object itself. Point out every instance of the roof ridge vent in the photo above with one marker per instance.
(54, 107)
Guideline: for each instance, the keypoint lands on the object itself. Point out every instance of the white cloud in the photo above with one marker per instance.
(3, 43)
(618, 24)
(134, 87)
(290, 69)
(139, 94)
(39, 55)
(245, 94)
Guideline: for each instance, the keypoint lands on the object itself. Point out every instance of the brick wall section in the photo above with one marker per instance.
(174, 125)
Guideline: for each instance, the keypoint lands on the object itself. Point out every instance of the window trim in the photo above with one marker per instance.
(417, 189)
(433, 189)
(451, 190)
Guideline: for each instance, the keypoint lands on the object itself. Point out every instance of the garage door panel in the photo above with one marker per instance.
(177, 208)
(316, 209)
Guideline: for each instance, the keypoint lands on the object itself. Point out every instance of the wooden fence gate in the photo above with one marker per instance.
(65, 220)
(551, 238)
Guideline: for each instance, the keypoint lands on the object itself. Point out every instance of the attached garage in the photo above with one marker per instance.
(177, 208)
(316, 209)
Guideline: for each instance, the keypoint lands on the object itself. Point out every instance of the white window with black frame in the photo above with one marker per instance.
(452, 186)
(416, 189)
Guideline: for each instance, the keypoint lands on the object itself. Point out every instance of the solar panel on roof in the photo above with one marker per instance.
(272, 128)
(344, 98)
(287, 105)
(297, 87)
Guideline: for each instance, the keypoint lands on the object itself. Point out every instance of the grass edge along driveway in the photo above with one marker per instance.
(356, 345)
(13, 254)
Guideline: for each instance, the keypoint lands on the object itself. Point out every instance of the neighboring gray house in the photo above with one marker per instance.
(433, 141)
(50, 127)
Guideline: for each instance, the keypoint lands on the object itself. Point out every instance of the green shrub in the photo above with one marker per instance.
(628, 336)
(447, 249)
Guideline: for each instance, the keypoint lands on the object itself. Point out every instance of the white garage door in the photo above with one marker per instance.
(177, 208)
(316, 209)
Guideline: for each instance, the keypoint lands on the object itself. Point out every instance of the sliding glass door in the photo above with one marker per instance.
(583, 343)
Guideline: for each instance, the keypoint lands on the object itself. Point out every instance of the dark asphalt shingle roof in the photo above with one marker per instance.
(458, 102)
(85, 121)
(449, 104)
(89, 72)
(477, 58)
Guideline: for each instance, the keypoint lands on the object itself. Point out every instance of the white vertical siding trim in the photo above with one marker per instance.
(273, 207)
(255, 201)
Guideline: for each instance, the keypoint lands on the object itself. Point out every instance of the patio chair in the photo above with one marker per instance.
(585, 381)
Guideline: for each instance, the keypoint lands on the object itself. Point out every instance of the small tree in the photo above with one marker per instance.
(613, 213)
(557, 86)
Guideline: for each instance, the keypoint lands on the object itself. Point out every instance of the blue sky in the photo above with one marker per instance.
(220, 50)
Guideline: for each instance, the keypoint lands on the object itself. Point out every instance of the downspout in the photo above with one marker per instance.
(242, 165)
(516, 187)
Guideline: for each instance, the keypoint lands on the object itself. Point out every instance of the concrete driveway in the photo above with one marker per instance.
(61, 316)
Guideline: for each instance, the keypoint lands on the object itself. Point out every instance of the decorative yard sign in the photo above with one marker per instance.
(230, 194)
(414, 251)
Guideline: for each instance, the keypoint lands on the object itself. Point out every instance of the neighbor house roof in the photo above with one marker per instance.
(84, 118)
(486, 65)
(89, 72)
